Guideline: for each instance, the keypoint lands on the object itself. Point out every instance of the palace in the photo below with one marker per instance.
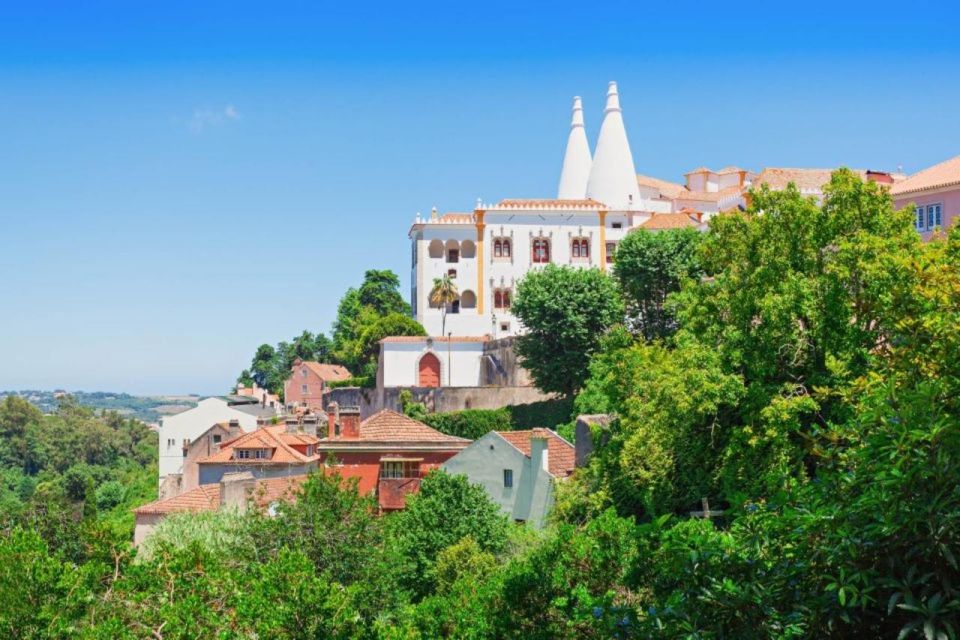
(599, 200)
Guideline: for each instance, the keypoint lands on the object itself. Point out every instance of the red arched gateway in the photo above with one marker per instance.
(429, 371)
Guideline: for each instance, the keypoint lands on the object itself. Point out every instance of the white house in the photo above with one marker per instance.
(178, 430)
(411, 361)
(518, 470)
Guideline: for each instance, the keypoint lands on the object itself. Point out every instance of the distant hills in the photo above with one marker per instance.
(149, 409)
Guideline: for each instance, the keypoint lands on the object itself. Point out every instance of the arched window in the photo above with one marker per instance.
(468, 300)
(436, 249)
(468, 249)
(541, 250)
(501, 298)
(575, 249)
(501, 247)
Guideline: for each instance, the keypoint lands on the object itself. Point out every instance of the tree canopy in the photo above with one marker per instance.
(565, 312)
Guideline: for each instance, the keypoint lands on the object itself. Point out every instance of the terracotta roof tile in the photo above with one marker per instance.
(698, 170)
(806, 179)
(561, 458)
(463, 218)
(206, 497)
(550, 204)
(666, 188)
(676, 220)
(710, 196)
(274, 437)
(390, 426)
(328, 371)
(945, 174)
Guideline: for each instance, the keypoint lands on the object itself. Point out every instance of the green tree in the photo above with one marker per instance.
(443, 293)
(446, 510)
(368, 343)
(651, 265)
(565, 311)
(381, 292)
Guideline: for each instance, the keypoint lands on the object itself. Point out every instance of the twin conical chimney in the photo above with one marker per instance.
(613, 179)
(576, 161)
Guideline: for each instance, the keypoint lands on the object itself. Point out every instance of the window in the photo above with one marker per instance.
(303, 373)
(611, 251)
(934, 216)
(452, 273)
(501, 298)
(507, 478)
(580, 248)
(504, 326)
(617, 225)
(393, 469)
(303, 388)
(171, 442)
(541, 250)
(919, 218)
(217, 438)
(501, 247)
(453, 255)
(252, 454)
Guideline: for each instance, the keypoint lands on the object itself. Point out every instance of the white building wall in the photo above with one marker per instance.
(401, 363)
(521, 227)
(175, 430)
(483, 463)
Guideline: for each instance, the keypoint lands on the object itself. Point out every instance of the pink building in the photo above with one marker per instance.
(308, 382)
(935, 195)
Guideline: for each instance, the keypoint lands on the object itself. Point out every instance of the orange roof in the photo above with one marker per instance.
(274, 437)
(698, 170)
(562, 455)
(390, 426)
(666, 188)
(466, 218)
(551, 204)
(730, 169)
(710, 196)
(206, 497)
(945, 174)
(806, 179)
(440, 339)
(328, 371)
(676, 220)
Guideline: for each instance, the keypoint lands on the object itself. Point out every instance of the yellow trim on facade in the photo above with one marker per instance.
(603, 240)
(478, 216)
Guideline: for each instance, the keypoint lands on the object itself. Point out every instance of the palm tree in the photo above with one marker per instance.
(444, 292)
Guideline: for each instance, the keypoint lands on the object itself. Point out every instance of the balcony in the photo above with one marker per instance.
(392, 492)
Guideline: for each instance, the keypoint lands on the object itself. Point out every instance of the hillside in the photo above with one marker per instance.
(148, 409)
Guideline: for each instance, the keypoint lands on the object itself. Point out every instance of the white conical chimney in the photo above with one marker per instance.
(576, 161)
(613, 180)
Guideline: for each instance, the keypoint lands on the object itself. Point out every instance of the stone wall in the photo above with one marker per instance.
(500, 365)
(437, 399)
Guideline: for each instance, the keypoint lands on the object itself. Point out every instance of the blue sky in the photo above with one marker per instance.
(180, 183)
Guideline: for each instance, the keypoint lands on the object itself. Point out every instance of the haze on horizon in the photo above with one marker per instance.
(182, 183)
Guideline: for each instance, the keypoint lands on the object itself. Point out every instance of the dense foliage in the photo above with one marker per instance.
(810, 390)
(74, 459)
(565, 311)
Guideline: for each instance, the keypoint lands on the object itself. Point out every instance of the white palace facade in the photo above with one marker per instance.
(599, 200)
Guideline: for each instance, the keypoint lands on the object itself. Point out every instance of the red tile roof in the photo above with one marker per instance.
(561, 458)
(206, 497)
(676, 220)
(666, 188)
(328, 371)
(806, 179)
(273, 437)
(390, 426)
(945, 174)
(711, 196)
(550, 204)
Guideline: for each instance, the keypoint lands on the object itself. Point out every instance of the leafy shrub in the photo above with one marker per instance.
(110, 494)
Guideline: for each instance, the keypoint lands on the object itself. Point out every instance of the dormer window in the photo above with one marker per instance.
(251, 454)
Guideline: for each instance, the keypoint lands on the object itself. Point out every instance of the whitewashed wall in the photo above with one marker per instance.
(401, 363)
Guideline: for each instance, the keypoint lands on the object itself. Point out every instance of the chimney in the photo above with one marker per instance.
(539, 451)
(310, 425)
(333, 420)
(350, 423)
(234, 428)
(588, 429)
(236, 489)
(293, 424)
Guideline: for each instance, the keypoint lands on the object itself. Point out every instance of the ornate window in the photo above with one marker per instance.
(580, 248)
(501, 298)
(540, 250)
(611, 251)
(501, 247)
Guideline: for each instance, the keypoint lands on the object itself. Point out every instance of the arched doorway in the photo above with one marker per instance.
(429, 371)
